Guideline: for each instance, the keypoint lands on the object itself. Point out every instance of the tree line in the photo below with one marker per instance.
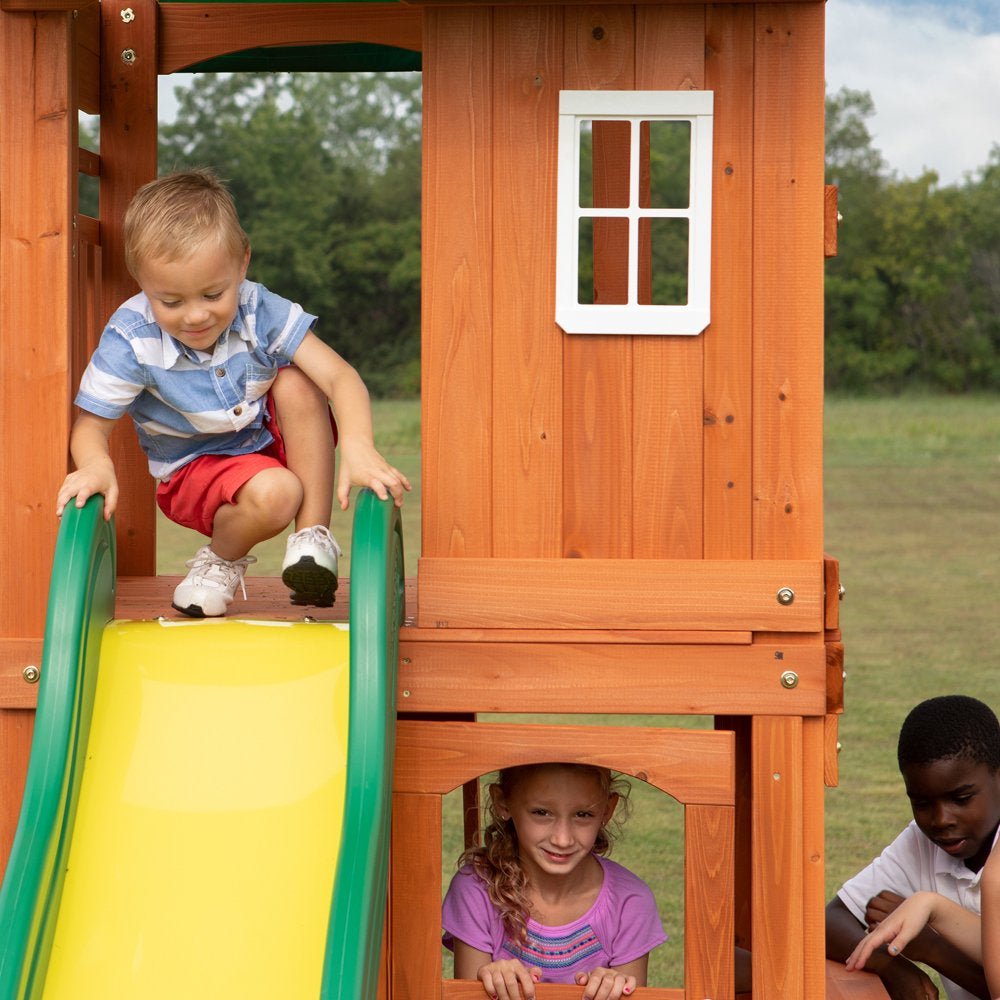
(325, 168)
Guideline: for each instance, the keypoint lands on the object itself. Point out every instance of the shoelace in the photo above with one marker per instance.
(207, 563)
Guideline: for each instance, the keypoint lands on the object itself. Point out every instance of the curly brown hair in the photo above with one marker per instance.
(498, 861)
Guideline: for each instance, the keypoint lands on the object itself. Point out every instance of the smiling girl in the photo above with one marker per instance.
(539, 901)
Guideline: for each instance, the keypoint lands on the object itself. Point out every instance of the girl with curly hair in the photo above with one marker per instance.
(539, 901)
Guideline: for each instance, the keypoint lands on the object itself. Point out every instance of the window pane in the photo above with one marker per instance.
(603, 262)
(604, 164)
(666, 164)
(663, 262)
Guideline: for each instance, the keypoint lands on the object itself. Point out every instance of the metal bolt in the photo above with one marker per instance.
(127, 15)
(128, 56)
(841, 590)
(406, 694)
(786, 595)
(789, 679)
(31, 673)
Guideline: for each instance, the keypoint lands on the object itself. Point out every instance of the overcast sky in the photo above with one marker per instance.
(933, 70)
(931, 66)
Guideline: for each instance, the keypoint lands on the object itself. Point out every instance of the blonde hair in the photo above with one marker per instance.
(175, 215)
(498, 861)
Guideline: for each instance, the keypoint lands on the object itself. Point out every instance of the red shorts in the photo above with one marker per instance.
(195, 492)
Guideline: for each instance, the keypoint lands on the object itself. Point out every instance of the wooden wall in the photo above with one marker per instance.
(543, 445)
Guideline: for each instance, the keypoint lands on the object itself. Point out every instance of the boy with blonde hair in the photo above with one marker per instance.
(229, 391)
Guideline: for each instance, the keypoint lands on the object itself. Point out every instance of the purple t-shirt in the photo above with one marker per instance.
(621, 926)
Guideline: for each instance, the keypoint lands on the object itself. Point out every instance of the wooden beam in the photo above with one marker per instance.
(192, 33)
(621, 593)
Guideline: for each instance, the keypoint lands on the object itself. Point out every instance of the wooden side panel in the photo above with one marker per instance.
(667, 386)
(527, 359)
(708, 931)
(128, 160)
(788, 281)
(37, 197)
(778, 944)
(727, 347)
(416, 913)
(15, 746)
(597, 370)
(88, 47)
(457, 287)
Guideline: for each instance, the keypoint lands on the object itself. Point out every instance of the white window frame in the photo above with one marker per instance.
(575, 106)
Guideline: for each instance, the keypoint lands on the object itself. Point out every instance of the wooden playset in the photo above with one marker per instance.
(616, 519)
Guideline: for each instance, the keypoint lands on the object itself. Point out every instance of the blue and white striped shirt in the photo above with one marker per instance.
(188, 403)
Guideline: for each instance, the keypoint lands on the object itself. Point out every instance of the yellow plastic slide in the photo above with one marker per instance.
(208, 824)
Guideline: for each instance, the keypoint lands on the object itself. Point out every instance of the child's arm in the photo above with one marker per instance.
(922, 910)
(360, 463)
(990, 940)
(614, 983)
(505, 979)
(932, 943)
(95, 472)
(902, 979)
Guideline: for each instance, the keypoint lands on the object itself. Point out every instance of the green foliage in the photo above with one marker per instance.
(914, 293)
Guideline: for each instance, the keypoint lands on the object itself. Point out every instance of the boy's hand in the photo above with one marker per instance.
(905, 981)
(361, 465)
(605, 984)
(509, 979)
(98, 477)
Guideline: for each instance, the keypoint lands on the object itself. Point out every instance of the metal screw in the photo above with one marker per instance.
(841, 590)
(789, 679)
(31, 673)
(128, 15)
(406, 694)
(786, 595)
(128, 56)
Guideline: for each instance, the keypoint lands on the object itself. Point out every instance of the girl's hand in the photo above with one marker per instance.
(606, 984)
(508, 979)
(896, 930)
(362, 465)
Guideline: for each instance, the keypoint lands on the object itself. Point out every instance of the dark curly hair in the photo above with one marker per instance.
(498, 861)
(953, 726)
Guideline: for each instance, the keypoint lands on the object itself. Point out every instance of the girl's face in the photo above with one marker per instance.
(558, 813)
(195, 299)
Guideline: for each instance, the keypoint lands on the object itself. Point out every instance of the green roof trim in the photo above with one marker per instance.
(341, 58)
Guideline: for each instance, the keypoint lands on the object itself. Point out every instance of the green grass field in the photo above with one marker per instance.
(913, 514)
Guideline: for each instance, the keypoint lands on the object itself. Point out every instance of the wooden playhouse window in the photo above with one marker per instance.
(634, 225)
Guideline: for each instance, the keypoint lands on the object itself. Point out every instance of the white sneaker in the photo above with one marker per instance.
(211, 584)
(310, 567)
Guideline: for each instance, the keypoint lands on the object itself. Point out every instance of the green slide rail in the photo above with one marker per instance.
(81, 603)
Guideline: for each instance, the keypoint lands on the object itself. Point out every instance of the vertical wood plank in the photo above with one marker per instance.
(814, 883)
(727, 342)
(742, 727)
(128, 160)
(37, 201)
(457, 283)
(667, 403)
(16, 726)
(416, 913)
(788, 281)
(527, 362)
(597, 370)
(708, 901)
(778, 945)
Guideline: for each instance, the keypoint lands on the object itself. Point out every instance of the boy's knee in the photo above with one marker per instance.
(273, 497)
